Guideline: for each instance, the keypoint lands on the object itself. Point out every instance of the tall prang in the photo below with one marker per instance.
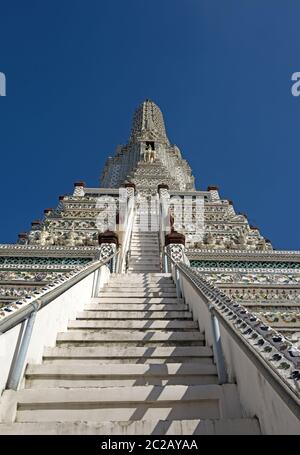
(148, 159)
(146, 306)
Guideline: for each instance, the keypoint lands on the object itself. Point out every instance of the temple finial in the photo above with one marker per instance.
(148, 123)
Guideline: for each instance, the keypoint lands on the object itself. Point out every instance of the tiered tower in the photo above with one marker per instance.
(226, 266)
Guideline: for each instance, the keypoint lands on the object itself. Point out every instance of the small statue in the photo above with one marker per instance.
(152, 155)
(43, 237)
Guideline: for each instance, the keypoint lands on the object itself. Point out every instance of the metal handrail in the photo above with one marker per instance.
(49, 293)
(266, 347)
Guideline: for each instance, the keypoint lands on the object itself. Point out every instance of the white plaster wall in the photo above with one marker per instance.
(257, 396)
(7, 347)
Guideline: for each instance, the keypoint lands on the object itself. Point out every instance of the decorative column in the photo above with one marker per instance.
(109, 242)
(175, 246)
(130, 186)
(78, 188)
(214, 192)
(22, 238)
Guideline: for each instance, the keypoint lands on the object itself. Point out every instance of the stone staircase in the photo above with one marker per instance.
(133, 362)
(144, 248)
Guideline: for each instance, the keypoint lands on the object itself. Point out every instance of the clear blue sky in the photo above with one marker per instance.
(219, 70)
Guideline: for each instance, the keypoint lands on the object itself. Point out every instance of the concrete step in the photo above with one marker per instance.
(142, 254)
(145, 227)
(144, 259)
(144, 236)
(149, 300)
(81, 375)
(141, 248)
(134, 281)
(141, 288)
(124, 315)
(137, 427)
(138, 337)
(148, 246)
(125, 403)
(126, 354)
(144, 239)
(138, 294)
(144, 264)
(156, 277)
(142, 294)
(140, 284)
(151, 247)
(147, 230)
(135, 307)
(145, 249)
(149, 276)
(138, 288)
(132, 324)
(145, 278)
(142, 268)
(149, 254)
(147, 234)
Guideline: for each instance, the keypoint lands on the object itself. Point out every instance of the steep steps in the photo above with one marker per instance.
(132, 362)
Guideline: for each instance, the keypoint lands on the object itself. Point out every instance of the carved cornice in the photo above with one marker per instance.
(270, 255)
(48, 251)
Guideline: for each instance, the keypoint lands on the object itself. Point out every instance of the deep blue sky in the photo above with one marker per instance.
(219, 70)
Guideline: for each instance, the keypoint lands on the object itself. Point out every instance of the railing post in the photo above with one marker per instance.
(181, 284)
(217, 347)
(17, 349)
(21, 351)
(97, 283)
(117, 263)
(177, 282)
(166, 263)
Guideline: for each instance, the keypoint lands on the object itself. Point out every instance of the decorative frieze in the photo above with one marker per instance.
(252, 278)
(243, 265)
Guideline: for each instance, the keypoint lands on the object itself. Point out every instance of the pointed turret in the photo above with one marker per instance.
(148, 124)
(148, 159)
